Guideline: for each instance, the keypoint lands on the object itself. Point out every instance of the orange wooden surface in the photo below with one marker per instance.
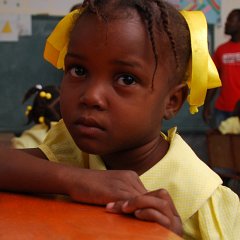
(37, 217)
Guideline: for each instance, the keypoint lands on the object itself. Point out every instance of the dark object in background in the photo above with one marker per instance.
(46, 106)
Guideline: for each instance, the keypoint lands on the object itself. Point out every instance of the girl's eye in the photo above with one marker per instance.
(126, 80)
(78, 71)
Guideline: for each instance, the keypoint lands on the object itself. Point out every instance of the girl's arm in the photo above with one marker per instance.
(27, 171)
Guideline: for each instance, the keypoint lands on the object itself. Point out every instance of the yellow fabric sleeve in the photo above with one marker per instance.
(218, 218)
(59, 147)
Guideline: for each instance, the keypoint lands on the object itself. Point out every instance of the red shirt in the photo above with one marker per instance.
(227, 61)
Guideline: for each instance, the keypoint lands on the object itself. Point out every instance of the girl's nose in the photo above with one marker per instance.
(94, 95)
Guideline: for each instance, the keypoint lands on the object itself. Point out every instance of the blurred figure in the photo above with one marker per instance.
(44, 113)
(227, 61)
(231, 125)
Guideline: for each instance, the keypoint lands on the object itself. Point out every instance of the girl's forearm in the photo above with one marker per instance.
(23, 172)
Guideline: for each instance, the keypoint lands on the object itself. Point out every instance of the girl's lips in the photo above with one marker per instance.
(90, 123)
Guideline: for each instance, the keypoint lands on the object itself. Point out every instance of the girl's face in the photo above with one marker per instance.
(107, 100)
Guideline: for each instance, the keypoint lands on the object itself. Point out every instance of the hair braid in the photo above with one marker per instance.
(149, 19)
(165, 21)
(90, 4)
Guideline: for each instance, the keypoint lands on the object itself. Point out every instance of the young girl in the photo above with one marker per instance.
(125, 64)
(44, 113)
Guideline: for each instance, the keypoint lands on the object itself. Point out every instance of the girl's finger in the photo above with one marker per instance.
(115, 207)
(149, 214)
(148, 201)
(163, 194)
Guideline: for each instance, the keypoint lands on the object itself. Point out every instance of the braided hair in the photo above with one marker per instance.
(159, 18)
(45, 107)
(75, 6)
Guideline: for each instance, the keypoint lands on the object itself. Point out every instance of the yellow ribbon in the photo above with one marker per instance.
(203, 74)
(57, 43)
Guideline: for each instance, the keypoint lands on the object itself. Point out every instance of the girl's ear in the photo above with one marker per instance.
(175, 100)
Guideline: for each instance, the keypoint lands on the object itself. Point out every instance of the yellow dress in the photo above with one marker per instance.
(230, 126)
(31, 137)
(208, 210)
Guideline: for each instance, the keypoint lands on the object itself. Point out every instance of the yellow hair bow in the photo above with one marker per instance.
(203, 74)
(57, 43)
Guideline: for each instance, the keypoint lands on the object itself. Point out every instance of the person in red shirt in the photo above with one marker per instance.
(227, 61)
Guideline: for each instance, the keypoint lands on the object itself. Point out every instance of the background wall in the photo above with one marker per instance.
(51, 7)
(21, 67)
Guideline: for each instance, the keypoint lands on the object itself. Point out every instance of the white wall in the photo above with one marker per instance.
(54, 7)
(227, 6)
(51, 7)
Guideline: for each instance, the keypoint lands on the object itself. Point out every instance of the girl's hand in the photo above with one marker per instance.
(156, 206)
(101, 187)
